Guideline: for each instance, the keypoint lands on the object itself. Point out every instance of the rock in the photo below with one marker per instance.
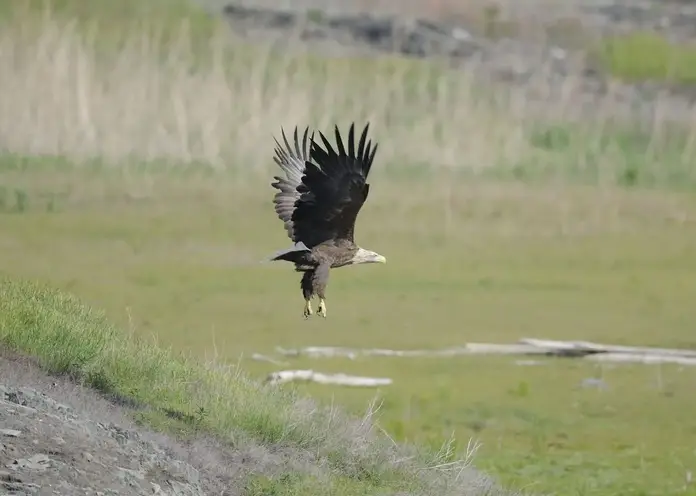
(8, 477)
(10, 432)
(676, 20)
(38, 462)
(508, 60)
(15, 397)
(8, 449)
(131, 477)
(181, 489)
(184, 471)
(22, 489)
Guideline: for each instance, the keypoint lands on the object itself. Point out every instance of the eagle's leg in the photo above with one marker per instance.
(308, 308)
(320, 280)
(307, 292)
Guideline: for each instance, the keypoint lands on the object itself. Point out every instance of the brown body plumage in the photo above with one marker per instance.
(318, 202)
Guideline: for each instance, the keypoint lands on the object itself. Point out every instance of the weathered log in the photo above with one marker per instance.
(587, 348)
(644, 358)
(468, 349)
(525, 347)
(284, 376)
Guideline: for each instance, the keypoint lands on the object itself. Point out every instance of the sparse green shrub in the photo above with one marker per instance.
(13, 200)
(622, 155)
(644, 56)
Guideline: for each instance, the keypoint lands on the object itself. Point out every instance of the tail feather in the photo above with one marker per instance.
(295, 248)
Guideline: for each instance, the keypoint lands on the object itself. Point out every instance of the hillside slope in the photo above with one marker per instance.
(59, 435)
(235, 436)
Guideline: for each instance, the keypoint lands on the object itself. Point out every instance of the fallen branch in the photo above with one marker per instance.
(284, 376)
(582, 348)
(526, 346)
(468, 349)
(644, 358)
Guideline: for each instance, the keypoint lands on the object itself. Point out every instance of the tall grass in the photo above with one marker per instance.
(150, 95)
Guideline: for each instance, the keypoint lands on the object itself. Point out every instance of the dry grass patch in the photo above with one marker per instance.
(135, 104)
(151, 100)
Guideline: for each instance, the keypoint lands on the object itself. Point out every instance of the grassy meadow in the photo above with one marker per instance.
(135, 173)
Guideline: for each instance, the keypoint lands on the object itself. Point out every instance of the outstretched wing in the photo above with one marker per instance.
(292, 161)
(333, 189)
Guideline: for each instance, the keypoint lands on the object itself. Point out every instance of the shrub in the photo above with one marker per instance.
(645, 56)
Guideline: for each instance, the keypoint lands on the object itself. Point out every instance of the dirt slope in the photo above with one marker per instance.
(59, 438)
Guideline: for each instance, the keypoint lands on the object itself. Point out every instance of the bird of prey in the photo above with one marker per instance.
(318, 201)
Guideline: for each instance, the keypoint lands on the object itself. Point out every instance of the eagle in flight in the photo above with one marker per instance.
(318, 201)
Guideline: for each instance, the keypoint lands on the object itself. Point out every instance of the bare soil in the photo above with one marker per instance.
(57, 437)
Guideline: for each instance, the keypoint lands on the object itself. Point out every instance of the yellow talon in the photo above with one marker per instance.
(308, 309)
(322, 308)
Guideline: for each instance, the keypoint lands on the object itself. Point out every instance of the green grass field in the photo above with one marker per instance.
(182, 263)
(142, 186)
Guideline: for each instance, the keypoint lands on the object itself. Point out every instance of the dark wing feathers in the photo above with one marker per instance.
(292, 162)
(333, 189)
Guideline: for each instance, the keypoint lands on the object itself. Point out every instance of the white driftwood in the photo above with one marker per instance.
(644, 358)
(587, 347)
(318, 352)
(505, 349)
(468, 349)
(529, 363)
(526, 347)
(284, 376)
